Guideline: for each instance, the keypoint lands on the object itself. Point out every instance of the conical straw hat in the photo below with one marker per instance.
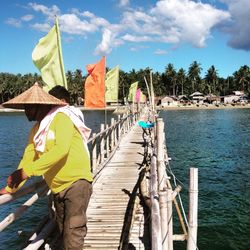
(33, 95)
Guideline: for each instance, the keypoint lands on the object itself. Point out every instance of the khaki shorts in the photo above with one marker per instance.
(71, 206)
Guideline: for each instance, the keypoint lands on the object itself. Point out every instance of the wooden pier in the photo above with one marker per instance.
(115, 201)
(132, 200)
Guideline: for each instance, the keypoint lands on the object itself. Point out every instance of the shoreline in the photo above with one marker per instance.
(204, 107)
(173, 108)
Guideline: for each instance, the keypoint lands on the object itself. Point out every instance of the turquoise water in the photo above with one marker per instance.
(14, 129)
(217, 142)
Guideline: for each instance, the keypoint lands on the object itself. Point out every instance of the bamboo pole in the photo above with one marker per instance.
(19, 211)
(102, 152)
(178, 210)
(119, 128)
(160, 155)
(112, 134)
(193, 209)
(156, 241)
(40, 239)
(170, 218)
(94, 156)
(152, 91)
(149, 95)
(25, 190)
(164, 219)
(107, 142)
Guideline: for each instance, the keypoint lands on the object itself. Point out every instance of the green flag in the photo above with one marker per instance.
(111, 84)
(132, 92)
(47, 57)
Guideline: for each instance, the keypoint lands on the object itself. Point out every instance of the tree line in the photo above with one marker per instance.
(171, 82)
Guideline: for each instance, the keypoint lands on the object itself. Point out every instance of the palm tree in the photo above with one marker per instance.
(170, 77)
(181, 78)
(242, 78)
(194, 71)
(211, 79)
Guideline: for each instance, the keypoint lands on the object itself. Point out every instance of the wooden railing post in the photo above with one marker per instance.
(162, 186)
(94, 154)
(112, 134)
(160, 154)
(170, 218)
(119, 128)
(107, 141)
(163, 198)
(115, 132)
(156, 236)
(193, 209)
(102, 142)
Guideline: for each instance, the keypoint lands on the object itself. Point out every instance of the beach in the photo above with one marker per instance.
(170, 107)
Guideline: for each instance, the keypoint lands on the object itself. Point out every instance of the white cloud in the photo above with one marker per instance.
(50, 13)
(168, 21)
(160, 52)
(239, 28)
(44, 27)
(14, 22)
(131, 38)
(109, 41)
(27, 18)
(187, 21)
(72, 24)
(123, 3)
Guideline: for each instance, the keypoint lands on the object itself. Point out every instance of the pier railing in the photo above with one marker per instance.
(101, 145)
(163, 196)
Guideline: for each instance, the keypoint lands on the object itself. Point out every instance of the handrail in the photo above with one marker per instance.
(102, 146)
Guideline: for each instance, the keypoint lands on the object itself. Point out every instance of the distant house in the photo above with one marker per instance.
(169, 101)
(233, 98)
(239, 93)
(197, 97)
(183, 99)
(213, 99)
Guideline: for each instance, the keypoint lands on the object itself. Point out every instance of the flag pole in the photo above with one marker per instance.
(60, 52)
(149, 96)
(105, 112)
(152, 92)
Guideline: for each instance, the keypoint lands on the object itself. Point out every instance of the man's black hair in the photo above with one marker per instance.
(60, 92)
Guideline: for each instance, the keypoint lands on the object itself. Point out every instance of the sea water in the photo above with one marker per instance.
(217, 142)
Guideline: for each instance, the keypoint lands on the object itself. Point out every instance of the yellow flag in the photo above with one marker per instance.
(132, 92)
(47, 57)
(112, 84)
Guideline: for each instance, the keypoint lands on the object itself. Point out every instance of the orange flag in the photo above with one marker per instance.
(95, 85)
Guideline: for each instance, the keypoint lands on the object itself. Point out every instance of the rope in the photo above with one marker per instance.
(168, 168)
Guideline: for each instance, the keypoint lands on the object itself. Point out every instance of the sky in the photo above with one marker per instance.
(134, 34)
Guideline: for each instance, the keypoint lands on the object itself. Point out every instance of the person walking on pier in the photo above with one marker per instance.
(57, 149)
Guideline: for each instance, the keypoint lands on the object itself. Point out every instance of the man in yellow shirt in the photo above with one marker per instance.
(57, 149)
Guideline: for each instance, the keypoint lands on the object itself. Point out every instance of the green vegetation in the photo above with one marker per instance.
(170, 82)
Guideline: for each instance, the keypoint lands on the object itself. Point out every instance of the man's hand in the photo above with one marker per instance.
(3, 191)
(16, 178)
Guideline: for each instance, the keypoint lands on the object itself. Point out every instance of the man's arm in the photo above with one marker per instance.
(63, 127)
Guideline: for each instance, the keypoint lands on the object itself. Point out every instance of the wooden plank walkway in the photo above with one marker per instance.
(116, 213)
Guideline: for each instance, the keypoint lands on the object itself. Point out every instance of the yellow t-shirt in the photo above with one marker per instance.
(65, 159)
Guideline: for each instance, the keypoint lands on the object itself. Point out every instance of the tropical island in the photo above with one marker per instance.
(172, 88)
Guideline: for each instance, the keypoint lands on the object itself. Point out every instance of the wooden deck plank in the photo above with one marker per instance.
(111, 196)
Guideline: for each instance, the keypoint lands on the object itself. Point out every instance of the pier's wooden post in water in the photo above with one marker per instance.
(193, 209)
(156, 239)
(162, 187)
